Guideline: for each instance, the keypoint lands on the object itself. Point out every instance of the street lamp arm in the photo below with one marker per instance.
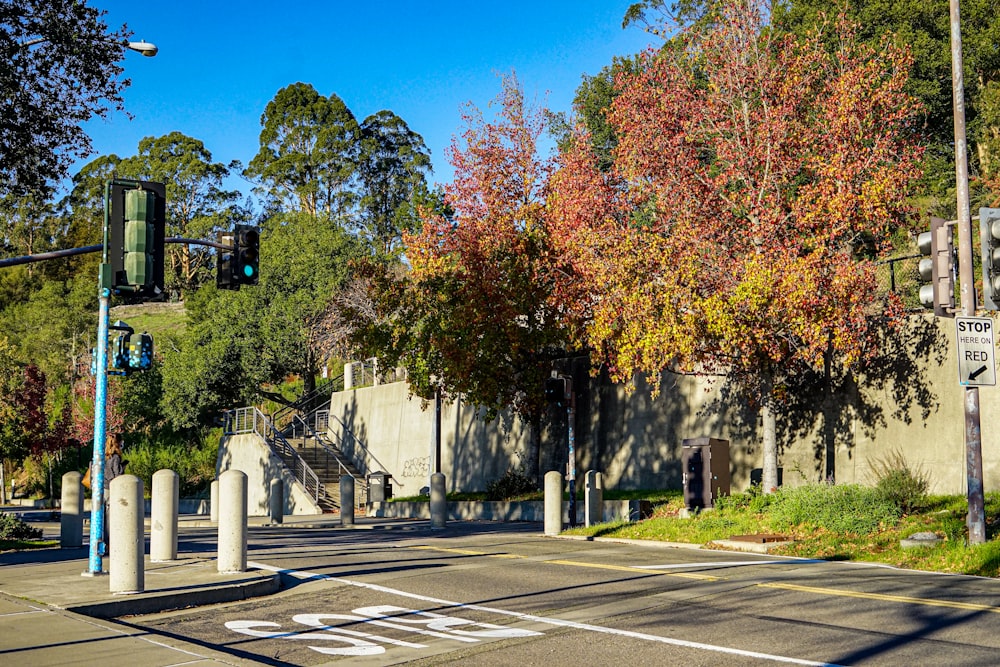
(145, 48)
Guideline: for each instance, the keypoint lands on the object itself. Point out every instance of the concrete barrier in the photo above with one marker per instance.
(554, 510)
(163, 516)
(232, 538)
(127, 536)
(71, 517)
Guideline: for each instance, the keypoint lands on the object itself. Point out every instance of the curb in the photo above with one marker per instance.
(154, 603)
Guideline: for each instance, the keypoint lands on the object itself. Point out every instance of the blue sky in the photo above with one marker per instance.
(220, 63)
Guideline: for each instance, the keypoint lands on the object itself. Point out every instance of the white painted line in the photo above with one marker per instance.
(307, 576)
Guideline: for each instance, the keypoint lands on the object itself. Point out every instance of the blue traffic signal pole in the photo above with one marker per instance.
(97, 516)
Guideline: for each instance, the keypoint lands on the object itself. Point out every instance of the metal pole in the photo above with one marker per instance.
(96, 565)
(570, 414)
(976, 520)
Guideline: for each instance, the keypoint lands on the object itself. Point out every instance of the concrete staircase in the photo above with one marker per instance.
(329, 464)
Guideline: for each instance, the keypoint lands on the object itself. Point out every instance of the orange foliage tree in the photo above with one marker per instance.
(756, 178)
(474, 315)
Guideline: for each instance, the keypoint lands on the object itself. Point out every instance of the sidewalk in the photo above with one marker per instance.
(50, 613)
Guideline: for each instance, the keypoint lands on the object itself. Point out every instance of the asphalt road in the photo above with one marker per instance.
(505, 595)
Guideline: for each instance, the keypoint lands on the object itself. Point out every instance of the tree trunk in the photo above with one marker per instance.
(769, 473)
(3, 487)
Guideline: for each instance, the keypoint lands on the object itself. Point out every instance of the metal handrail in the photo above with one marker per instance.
(354, 442)
(252, 420)
(330, 451)
(305, 403)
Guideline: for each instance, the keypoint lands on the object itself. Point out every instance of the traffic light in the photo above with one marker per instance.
(246, 255)
(136, 214)
(555, 389)
(937, 268)
(989, 237)
(140, 352)
(224, 278)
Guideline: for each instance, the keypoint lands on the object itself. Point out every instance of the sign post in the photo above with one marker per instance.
(976, 352)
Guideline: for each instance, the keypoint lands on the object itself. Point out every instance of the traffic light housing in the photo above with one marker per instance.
(555, 389)
(936, 269)
(136, 219)
(224, 277)
(246, 255)
(989, 237)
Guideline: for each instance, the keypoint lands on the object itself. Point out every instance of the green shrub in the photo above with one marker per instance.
(12, 528)
(843, 508)
(903, 485)
(195, 466)
(512, 484)
(753, 500)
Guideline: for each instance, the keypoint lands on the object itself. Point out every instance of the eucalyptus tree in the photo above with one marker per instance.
(308, 151)
(393, 173)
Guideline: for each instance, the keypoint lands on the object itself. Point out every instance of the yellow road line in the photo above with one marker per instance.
(599, 566)
(969, 606)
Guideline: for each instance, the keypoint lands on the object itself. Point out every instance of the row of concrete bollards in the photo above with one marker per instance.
(593, 501)
(126, 523)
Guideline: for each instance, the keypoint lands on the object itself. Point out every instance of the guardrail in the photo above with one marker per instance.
(252, 420)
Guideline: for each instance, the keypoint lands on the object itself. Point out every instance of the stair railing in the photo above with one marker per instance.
(252, 420)
(352, 446)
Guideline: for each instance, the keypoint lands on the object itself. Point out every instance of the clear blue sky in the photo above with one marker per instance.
(220, 63)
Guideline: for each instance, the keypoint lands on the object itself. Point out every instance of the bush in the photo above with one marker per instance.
(904, 486)
(512, 484)
(12, 528)
(845, 508)
(195, 466)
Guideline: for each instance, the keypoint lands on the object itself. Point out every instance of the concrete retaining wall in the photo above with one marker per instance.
(534, 510)
(908, 401)
(248, 452)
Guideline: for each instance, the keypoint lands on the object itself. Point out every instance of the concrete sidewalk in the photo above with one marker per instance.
(52, 614)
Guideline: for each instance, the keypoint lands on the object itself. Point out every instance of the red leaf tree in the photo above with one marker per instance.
(757, 176)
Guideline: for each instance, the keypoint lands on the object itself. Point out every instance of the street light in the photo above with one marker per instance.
(143, 47)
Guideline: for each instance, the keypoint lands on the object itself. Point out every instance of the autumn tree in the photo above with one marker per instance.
(474, 317)
(756, 178)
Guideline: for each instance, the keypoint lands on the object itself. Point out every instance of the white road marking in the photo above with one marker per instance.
(306, 576)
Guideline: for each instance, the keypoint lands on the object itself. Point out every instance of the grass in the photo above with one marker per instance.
(155, 318)
(24, 545)
(942, 515)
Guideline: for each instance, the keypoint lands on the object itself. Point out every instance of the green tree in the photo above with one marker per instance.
(924, 27)
(197, 204)
(60, 69)
(308, 151)
(239, 341)
(393, 173)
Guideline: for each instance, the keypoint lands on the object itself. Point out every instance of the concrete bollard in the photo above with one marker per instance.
(163, 519)
(346, 500)
(276, 500)
(71, 517)
(553, 502)
(439, 501)
(127, 538)
(232, 521)
(594, 497)
(213, 506)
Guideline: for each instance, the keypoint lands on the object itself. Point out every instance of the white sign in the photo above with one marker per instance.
(976, 352)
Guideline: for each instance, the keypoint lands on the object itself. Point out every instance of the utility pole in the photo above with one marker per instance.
(976, 519)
